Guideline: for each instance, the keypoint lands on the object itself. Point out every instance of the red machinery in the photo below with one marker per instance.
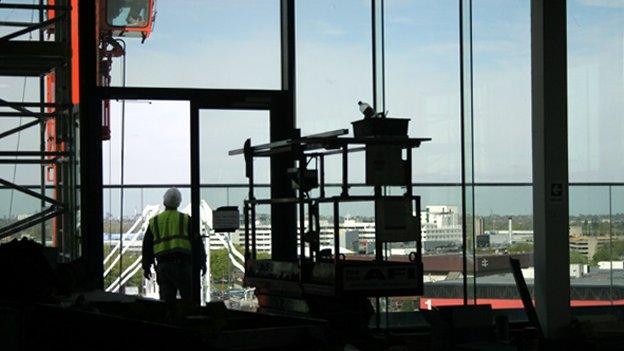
(119, 18)
(115, 18)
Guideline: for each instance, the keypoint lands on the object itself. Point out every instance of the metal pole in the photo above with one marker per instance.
(472, 173)
(122, 165)
(611, 247)
(378, 48)
(322, 176)
(463, 152)
(90, 147)
(302, 167)
(195, 194)
(42, 131)
(345, 171)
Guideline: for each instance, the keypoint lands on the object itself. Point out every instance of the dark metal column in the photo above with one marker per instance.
(378, 55)
(195, 196)
(90, 148)
(550, 164)
(282, 126)
(467, 152)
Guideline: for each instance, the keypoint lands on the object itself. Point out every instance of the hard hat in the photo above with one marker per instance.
(172, 198)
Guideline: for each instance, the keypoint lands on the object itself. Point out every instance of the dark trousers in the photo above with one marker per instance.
(174, 276)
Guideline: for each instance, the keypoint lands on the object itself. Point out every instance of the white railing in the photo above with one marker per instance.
(236, 258)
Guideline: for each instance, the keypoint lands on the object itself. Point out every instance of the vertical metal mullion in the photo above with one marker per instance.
(345, 171)
(121, 193)
(322, 175)
(463, 152)
(336, 214)
(195, 194)
(282, 126)
(91, 147)
(378, 243)
(374, 50)
(383, 57)
(378, 54)
(42, 146)
(42, 130)
(301, 196)
(472, 163)
(611, 246)
(252, 211)
(246, 218)
(467, 147)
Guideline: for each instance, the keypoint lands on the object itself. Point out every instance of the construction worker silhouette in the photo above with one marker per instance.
(169, 241)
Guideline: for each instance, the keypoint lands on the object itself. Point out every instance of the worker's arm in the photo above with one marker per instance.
(148, 253)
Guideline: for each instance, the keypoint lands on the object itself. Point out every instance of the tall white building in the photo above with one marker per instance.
(441, 228)
(441, 231)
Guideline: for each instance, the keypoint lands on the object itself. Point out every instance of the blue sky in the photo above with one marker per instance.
(235, 44)
(422, 77)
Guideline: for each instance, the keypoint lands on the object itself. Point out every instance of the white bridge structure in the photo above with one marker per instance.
(132, 239)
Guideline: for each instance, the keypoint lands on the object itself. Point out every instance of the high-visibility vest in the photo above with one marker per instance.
(170, 231)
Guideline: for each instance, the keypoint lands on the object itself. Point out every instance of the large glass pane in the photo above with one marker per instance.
(422, 82)
(616, 228)
(205, 44)
(591, 247)
(595, 90)
(595, 87)
(334, 61)
(152, 155)
(224, 183)
(222, 131)
(503, 228)
(156, 146)
(501, 65)
(442, 244)
(139, 204)
(467, 144)
(500, 103)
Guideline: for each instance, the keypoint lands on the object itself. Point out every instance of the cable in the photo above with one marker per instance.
(121, 189)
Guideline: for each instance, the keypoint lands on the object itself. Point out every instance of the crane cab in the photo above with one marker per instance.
(127, 18)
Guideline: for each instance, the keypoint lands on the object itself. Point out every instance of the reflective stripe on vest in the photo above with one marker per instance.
(170, 230)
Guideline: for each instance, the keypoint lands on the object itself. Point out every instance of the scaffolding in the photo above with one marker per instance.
(42, 49)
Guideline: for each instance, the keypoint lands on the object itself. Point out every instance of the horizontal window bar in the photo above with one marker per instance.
(328, 185)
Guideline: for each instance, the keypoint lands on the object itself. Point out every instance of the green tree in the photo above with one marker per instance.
(520, 248)
(605, 253)
(219, 264)
(577, 257)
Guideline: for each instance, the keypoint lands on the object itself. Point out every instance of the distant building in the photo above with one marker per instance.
(441, 231)
(441, 228)
(607, 265)
(501, 238)
(479, 226)
(588, 245)
(576, 230)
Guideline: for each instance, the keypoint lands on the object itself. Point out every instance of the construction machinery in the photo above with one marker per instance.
(47, 48)
(323, 281)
